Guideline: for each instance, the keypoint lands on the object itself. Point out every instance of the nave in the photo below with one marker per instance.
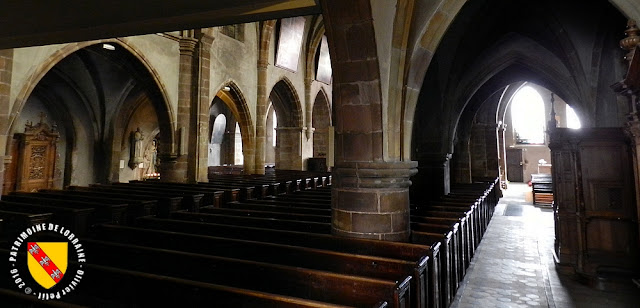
(514, 265)
(246, 241)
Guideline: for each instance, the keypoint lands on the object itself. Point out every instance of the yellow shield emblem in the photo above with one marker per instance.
(47, 262)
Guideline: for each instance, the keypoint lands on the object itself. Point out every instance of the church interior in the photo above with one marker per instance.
(313, 153)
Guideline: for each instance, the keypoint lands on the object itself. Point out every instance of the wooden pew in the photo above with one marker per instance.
(423, 233)
(189, 201)
(453, 223)
(210, 196)
(292, 203)
(258, 206)
(260, 190)
(165, 204)
(266, 214)
(108, 286)
(259, 276)
(136, 208)
(466, 233)
(76, 219)
(15, 221)
(256, 222)
(114, 213)
(220, 195)
(12, 298)
(312, 258)
(424, 257)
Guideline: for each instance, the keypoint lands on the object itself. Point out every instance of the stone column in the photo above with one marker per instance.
(484, 151)
(261, 117)
(6, 70)
(433, 179)
(369, 195)
(461, 161)
(371, 200)
(289, 148)
(200, 110)
(502, 156)
(177, 167)
(262, 101)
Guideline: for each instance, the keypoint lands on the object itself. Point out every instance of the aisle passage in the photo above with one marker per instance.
(514, 265)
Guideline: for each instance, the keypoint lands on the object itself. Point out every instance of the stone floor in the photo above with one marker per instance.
(513, 266)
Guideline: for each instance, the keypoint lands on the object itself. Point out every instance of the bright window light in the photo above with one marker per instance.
(275, 125)
(527, 112)
(572, 118)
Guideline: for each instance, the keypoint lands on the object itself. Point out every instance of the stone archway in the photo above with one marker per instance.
(290, 128)
(233, 98)
(321, 120)
(367, 188)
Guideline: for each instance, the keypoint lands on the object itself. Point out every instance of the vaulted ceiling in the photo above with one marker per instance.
(30, 23)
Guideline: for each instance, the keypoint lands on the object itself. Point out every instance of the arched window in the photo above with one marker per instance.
(275, 125)
(238, 155)
(572, 118)
(527, 113)
(219, 125)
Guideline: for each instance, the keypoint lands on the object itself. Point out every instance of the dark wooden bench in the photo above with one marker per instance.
(238, 192)
(260, 190)
(293, 203)
(259, 276)
(108, 286)
(210, 196)
(76, 219)
(136, 208)
(312, 258)
(542, 188)
(189, 201)
(466, 233)
(463, 239)
(12, 298)
(165, 204)
(266, 214)
(286, 207)
(256, 222)
(16, 221)
(103, 212)
(423, 256)
(424, 233)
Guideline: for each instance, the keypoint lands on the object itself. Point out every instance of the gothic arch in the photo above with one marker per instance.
(36, 74)
(321, 120)
(236, 102)
(286, 103)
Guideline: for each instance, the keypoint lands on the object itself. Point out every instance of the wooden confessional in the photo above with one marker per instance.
(596, 179)
(33, 158)
(594, 203)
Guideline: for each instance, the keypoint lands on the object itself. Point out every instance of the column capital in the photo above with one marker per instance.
(6, 159)
(375, 174)
(187, 45)
(206, 39)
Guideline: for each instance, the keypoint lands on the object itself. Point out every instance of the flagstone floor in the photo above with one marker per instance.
(513, 266)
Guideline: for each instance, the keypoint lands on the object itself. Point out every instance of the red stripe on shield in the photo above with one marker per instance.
(44, 261)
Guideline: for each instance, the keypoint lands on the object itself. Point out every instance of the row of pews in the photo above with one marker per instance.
(250, 241)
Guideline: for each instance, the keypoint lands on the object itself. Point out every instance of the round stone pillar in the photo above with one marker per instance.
(371, 200)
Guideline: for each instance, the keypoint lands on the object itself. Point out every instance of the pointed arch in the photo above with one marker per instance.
(236, 102)
(286, 103)
(321, 120)
(37, 73)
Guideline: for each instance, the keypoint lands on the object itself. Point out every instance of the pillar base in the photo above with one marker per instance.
(371, 200)
(172, 169)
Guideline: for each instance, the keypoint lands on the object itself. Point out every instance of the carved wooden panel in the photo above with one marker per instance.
(36, 157)
(595, 207)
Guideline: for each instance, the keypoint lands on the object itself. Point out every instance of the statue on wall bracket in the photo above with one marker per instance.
(137, 153)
